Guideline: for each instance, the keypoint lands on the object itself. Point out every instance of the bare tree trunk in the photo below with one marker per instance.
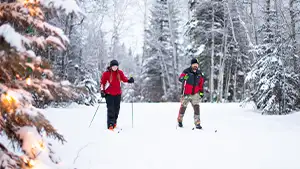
(235, 79)
(222, 58)
(244, 25)
(221, 67)
(115, 31)
(253, 20)
(268, 10)
(173, 39)
(163, 74)
(145, 26)
(119, 10)
(228, 78)
(236, 45)
(165, 71)
(212, 55)
(293, 32)
(189, 10)
(64, 54)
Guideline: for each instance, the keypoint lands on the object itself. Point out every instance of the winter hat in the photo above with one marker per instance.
(194, 60)
(114, 63)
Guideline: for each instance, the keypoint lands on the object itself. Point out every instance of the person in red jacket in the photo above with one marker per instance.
(111, 91)
(192, 80)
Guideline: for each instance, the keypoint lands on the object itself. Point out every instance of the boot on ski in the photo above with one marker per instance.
(180, 124)
(111, 127)
(179, 120)
(198, 126)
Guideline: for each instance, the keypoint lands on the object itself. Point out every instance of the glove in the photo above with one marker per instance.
(102, 94)
(201, 94)
(131, 80)
(186, 77)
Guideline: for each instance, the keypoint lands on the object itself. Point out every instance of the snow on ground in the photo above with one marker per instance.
(244, 139)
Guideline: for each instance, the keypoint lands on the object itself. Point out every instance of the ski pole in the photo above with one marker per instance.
(95, 113)
(184, 87)
(132, 95)
(132, 113)
(183, 90)
(182, 97)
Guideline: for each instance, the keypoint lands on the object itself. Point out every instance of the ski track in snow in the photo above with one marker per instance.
(244, 139)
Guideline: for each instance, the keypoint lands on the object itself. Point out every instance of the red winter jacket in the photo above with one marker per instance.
(194, 84)
(113, 80)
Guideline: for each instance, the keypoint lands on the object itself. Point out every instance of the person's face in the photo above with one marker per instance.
(114, 68)
(195, 66)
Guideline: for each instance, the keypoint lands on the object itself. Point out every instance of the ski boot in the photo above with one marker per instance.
(111, 127)
(198, 126)
(180, 124)
(179, 120)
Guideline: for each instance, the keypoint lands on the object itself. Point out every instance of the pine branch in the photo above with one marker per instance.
(22, 75)
(16, 13)
(9, 160)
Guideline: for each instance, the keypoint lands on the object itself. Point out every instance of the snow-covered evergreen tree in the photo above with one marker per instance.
(129, 67)
(219, 40)
(88, 53)
(23, 33)
(205, 31)
(86, 85)
(274, 85)
(137, 87)
(160, 60)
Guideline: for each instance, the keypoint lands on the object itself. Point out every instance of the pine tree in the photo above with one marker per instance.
(129, 67)
(236, 55)
(220, 41)
(176, 52)
(137, 87)
(160, 60)
(273, 84)
(24, 74)
(205, 31)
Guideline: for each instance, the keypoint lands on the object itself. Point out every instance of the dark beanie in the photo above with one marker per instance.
(194, 60)
(114, 63)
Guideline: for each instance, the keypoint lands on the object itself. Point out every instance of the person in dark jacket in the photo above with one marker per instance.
(192, 91)
(111, 91)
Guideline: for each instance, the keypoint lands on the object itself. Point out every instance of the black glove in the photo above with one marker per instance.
(131, 80)
(102, 94)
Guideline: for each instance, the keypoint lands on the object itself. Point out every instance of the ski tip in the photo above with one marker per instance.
(196, 128)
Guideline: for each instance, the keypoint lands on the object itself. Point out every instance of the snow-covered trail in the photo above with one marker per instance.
(244, 139)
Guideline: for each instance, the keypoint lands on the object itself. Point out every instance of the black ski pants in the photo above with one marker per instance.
(113, 108)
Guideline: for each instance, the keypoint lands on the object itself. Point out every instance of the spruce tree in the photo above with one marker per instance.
(160, 60)
(273, 84)
(205, 31)
(25, 74)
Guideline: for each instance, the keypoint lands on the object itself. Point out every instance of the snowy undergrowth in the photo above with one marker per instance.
(244, 139)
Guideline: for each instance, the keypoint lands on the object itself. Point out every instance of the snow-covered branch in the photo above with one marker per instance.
(23, 75)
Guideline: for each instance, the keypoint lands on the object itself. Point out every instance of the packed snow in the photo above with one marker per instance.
(233, 138)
